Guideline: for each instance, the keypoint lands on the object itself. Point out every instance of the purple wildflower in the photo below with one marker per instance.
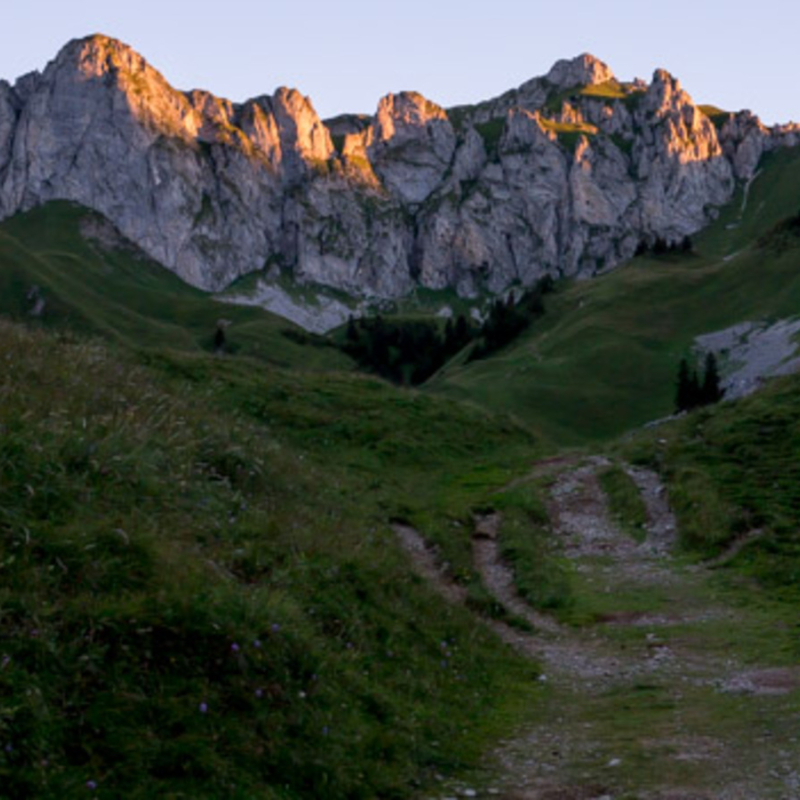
(257, 643)
(235, 647)
(92, 785)
(275, 627)
(259, 693)
(203, 707)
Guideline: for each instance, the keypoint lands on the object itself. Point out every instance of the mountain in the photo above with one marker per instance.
(565, 175)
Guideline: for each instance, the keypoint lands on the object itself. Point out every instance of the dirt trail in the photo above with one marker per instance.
(662, 697)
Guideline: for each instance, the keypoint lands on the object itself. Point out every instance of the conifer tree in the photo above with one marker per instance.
(710, 392)
(686, 395)
(352, 333)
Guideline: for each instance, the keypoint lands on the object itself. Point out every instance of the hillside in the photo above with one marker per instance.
(88, 278)
(201, 596)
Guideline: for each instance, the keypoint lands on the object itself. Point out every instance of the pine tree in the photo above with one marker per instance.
(352, 332)
(219, 339)
(710, 392)
(686, 395)
(463, 334)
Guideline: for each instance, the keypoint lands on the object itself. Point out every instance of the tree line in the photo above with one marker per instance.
(402, 351)
(692, 391)
(409, 352)
(661, 247)
(509, 318)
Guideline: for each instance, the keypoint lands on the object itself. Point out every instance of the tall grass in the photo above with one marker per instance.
(199, 593)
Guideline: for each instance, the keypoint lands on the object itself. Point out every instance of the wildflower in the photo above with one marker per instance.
(259, 693)
(275, 627)
(91, 785)
(203, 708)
(235, 647)
(257, 643)
(325, 730)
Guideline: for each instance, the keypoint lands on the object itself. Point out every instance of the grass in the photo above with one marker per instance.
(491, 132)
(601, 361)
(731, 470)
(716, 115)
(624, 501)
(542, 575)
(200, 593)
(609, 91)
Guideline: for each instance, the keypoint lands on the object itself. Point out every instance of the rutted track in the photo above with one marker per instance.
(568, 753)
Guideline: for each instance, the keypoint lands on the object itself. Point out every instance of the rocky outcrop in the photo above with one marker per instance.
(564, 175)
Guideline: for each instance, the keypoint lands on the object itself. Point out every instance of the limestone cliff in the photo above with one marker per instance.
(564, 175)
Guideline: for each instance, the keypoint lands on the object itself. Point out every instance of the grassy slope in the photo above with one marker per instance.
(159, 520)
(732, 471)
(122, 295)
(604, 357)
(162, 509)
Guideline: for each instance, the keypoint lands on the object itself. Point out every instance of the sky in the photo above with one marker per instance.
(347, 54)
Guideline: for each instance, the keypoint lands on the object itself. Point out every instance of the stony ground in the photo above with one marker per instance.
(675, 689)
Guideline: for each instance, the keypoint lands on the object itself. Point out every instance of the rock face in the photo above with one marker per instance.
(563, 176)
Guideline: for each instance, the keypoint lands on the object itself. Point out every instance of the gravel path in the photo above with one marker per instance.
(595, 734)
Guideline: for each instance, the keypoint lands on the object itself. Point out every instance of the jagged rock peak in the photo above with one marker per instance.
(584, 70)
(97, 54)
(406, 109)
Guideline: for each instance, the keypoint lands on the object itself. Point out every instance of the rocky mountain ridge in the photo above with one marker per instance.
(565, 175)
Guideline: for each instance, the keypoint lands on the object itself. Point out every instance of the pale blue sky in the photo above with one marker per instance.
(346, 54)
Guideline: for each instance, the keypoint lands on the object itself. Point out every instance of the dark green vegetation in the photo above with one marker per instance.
(404, 351)
(692, 392)
(602, 360)
(200, 593)
(409, 351)
(509, 318)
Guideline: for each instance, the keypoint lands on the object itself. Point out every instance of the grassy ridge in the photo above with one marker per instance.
(604, 357)
(200, 593)
(118, 293)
